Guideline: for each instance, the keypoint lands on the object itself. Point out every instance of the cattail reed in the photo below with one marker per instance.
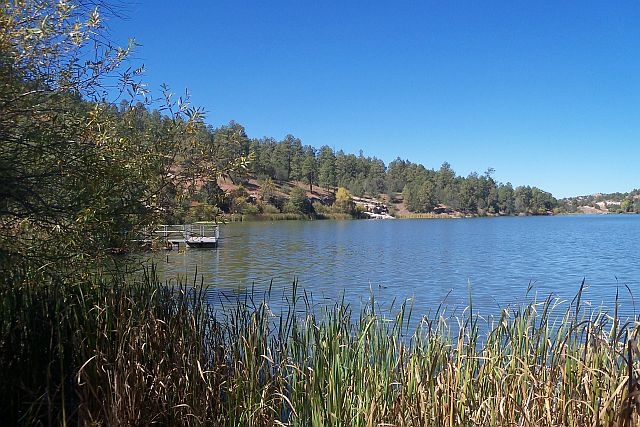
(128, 350)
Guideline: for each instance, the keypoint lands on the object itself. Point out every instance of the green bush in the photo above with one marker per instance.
(251, 209)
(269, 209)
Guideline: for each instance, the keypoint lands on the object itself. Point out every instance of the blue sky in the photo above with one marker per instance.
(547, 92)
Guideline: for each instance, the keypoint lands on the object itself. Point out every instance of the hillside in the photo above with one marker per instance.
(600, 203)
(393, 205)
(288, 179)
(382, 207)
(282, 191)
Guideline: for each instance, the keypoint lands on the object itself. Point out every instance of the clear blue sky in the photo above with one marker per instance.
(545, 92)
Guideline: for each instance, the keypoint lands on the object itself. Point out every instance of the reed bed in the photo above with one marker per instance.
(280, 216)
(128, 350)
(428, 215)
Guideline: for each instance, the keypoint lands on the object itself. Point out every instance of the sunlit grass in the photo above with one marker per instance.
(428, 215)
(110, 352)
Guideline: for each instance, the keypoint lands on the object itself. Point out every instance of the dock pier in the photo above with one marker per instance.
(200, 235)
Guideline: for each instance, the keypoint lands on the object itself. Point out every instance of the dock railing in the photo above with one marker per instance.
(178, 233)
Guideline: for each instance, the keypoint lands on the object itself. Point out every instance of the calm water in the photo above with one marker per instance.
(431, 261)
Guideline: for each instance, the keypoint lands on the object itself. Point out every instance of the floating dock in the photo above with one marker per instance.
(191, 235)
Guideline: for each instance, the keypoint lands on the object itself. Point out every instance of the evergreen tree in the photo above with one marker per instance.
(326, 168)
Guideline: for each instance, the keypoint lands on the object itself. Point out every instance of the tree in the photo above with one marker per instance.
(410, 198)
(426, 197)
(626, 205)
(267, 190)
(283, 156)
(218, 151)
(79, 178)
(397, 175)
(346, 168)
(468, 193)
(298, 202)
(447, 186)
(541, 201)
(344, 203)
(506, 202)
(261, 151)
(522, 198)
(64, 188)
(309, 168)
(326, 167)
(297, 158)
(375, 182)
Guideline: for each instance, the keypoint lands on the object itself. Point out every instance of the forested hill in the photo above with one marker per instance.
(402, 182)
(422, 190)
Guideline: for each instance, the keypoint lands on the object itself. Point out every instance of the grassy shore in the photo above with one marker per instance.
(127, 350)
(284, 217)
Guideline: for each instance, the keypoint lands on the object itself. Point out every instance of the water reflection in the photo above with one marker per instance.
(493, 261)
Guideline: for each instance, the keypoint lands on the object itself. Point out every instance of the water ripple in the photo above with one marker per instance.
(492, 260)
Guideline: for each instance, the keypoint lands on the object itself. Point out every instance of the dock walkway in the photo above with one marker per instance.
(198, 235)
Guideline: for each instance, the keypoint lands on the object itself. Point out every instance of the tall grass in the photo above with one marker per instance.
(135, 352)
(103, 352)
(429, 215)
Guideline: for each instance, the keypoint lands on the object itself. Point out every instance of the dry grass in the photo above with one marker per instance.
(135, 352)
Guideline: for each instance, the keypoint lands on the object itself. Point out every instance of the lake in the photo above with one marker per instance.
(493, 261)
